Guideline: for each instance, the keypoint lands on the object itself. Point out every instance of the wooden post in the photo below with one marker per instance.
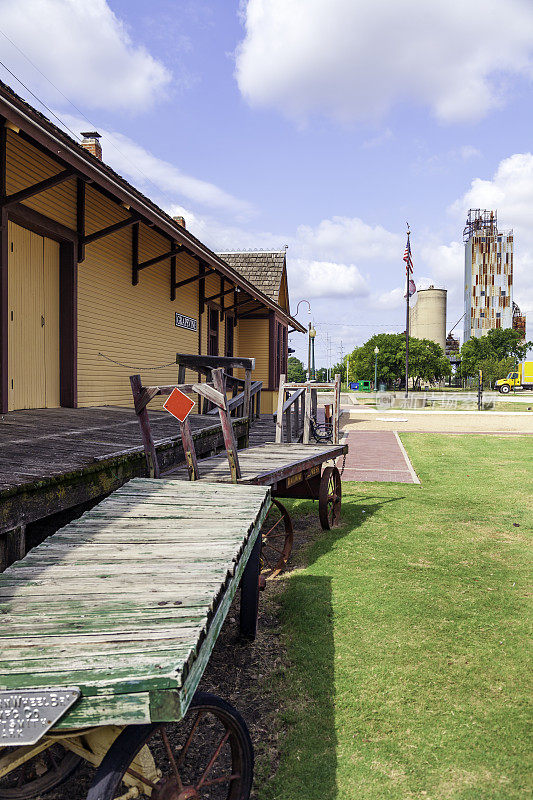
(146, 431)
(4, 257)
(227, 427)
(279, 415)
(336, 408)
(189, 450)
(288, 425)
(4, 312)
(250, 593)
(12, 546)
(247, 386)
(307, 415)
(314, 401)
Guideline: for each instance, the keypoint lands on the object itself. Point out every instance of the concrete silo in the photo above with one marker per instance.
(427, 318)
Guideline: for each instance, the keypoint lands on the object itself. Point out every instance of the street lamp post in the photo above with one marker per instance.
(309, 337)
(376, 353)
(312, 335)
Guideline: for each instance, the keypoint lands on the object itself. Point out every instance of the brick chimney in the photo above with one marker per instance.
(91, 142)
(180, 221)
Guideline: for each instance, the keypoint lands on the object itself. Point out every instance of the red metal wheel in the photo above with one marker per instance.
(208, 757)
(40, 774)
(277, 537)
(329, 498)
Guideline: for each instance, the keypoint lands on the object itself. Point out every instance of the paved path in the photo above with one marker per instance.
(377, 456)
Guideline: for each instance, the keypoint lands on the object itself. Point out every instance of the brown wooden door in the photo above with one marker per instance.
(33, 320)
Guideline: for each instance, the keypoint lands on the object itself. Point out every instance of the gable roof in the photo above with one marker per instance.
(67, 152)
(264, 269)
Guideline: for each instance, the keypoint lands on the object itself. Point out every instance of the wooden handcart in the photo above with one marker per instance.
(106, 630)
(291, 470)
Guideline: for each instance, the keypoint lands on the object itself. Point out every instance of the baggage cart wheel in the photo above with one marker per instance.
(277, 537)
(329, 498)
(209, 755)
(39, 774)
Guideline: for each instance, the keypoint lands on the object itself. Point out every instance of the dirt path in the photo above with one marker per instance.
(436, 422)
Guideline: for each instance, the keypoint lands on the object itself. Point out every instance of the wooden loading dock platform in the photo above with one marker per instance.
(52, 460)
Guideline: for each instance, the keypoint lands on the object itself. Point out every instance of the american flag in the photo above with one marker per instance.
(407, 257)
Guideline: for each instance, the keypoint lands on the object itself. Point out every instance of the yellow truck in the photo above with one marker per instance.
(521, 378)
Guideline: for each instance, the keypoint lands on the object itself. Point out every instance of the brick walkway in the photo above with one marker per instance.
(377, 456)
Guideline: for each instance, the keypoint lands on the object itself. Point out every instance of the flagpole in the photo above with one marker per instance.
(407, 319)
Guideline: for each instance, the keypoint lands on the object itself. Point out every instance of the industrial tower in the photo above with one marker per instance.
(488, 274)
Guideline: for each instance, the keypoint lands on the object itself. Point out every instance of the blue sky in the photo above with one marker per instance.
(320, 124)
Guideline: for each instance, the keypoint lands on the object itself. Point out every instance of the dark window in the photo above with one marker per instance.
(498, 315)
(230, 337)
(212, 331)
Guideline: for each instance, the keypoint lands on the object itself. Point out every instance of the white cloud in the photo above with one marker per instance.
(325, 279)
(390, 300)
(355, 59)
(155, 176)
(347, 239)
(83, 48)
(446, 262)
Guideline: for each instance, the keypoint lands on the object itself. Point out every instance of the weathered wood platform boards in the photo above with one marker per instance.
(126, 602)
(269, 463)
(53, 459)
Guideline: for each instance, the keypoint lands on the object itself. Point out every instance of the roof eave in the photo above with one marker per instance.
(88, 166)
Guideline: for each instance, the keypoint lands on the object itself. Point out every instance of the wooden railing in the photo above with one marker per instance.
(246, 394)
(215, 392)
(297, 413)
(292, 413)
(237, 403)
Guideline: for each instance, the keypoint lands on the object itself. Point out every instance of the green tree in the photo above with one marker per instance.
(496, 354)
(506, 343)
(426, 360)
(295, 370)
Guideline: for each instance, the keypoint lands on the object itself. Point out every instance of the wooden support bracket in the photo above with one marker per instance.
(37, 188)
(117, 226)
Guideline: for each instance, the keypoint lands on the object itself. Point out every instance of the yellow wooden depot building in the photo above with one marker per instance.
(97, 282)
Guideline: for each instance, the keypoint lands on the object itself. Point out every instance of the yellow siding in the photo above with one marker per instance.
(26, 166)
(130, 324)
(253, 343)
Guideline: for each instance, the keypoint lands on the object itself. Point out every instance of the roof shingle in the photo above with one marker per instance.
(262, 268)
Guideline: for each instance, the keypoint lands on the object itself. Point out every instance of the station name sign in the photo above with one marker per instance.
(190, 324)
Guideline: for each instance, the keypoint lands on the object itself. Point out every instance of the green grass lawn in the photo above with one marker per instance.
(407, 634)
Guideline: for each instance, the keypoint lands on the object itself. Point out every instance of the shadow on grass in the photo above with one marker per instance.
(308, 767)
(309, 764)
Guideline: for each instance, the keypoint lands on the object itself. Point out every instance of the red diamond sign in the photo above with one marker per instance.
(179, 405)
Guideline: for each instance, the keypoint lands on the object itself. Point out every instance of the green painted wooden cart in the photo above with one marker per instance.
(106, 629)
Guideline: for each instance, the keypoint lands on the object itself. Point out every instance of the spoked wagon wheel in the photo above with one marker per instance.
(39, 774)
(329, 498)
(277, 537)
(209, 756)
